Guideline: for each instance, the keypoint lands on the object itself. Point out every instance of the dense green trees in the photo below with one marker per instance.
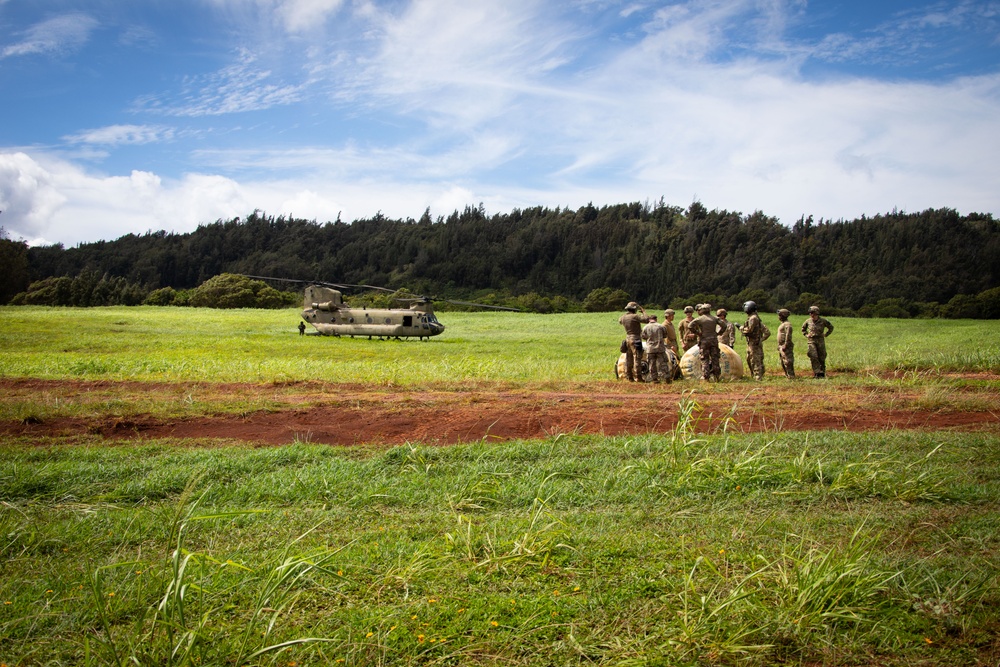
(87, 289)
(13, 266)
(554, 259)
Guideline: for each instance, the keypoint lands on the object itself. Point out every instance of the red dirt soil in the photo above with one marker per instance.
(351, 414)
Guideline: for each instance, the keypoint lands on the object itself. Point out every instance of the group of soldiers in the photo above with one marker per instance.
(707, 331)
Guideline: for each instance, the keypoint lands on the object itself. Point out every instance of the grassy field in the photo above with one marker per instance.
(678, 548)
(794, 549)
(184, 344)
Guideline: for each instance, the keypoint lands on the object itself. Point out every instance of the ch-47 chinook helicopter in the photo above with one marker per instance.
(323, 307)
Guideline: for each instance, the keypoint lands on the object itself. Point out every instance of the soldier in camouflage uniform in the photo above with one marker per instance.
(673, 353)
(688, 338)
(633, 336)
(668, 324)
(656, 350)
(708, 327)
(727, 337)
(816, 329)
(786, 346)
(753, 331)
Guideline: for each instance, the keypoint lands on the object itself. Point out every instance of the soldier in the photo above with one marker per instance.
(668, 324)
(688, 339)
(816, 329)
(654, 334)
(302, 328)
(633, 340)
(753, 331)
(708, 327)
(727, 337)
(786, 346)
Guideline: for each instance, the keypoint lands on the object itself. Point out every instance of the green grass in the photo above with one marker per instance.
(662, 549)
(827, 548)
(200, 345)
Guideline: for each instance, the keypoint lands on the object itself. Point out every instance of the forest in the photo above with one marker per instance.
(935, 263)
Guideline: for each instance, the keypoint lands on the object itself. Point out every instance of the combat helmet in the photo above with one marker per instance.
(749, 307)
(631, 305)
(814, 309)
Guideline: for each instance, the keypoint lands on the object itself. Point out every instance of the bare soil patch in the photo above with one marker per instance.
(343, 414)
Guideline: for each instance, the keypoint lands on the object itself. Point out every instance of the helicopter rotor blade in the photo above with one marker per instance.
(280, 280)
(479, 305)
(321, 283)
(431, 299)
(371, 287)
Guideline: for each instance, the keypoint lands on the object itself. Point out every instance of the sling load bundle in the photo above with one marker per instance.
(730, 363)
(670, 363)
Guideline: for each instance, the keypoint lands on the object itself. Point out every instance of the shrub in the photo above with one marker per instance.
(605, 300)
(229, 290)
(161, 297)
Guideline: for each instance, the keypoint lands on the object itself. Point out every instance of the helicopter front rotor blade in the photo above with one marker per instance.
(372, 287)
(280, 280)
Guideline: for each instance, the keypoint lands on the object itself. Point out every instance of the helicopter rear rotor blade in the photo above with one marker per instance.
(479, 305)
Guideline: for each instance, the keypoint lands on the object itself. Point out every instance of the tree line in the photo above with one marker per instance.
(935, 263)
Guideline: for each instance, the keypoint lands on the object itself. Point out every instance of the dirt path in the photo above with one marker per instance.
(350, 414)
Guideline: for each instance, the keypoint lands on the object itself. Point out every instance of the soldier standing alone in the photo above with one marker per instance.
(633, 322)
(786, 346)
(753, 331)
(816, 329)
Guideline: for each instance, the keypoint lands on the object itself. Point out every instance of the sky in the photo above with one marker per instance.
(129, 117)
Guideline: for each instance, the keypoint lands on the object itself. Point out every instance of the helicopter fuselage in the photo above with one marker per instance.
(324, 309)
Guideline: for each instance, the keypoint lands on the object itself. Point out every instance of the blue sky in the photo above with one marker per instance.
(121, 117)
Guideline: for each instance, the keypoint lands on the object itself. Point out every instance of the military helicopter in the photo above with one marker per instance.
(323, 307)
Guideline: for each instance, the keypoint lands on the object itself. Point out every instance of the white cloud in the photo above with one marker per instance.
(55, 35)
(237, 88)
(118, 135)
(29, 196)
(294, 16)
(47, 199)
(465, 61)
(306, 15)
